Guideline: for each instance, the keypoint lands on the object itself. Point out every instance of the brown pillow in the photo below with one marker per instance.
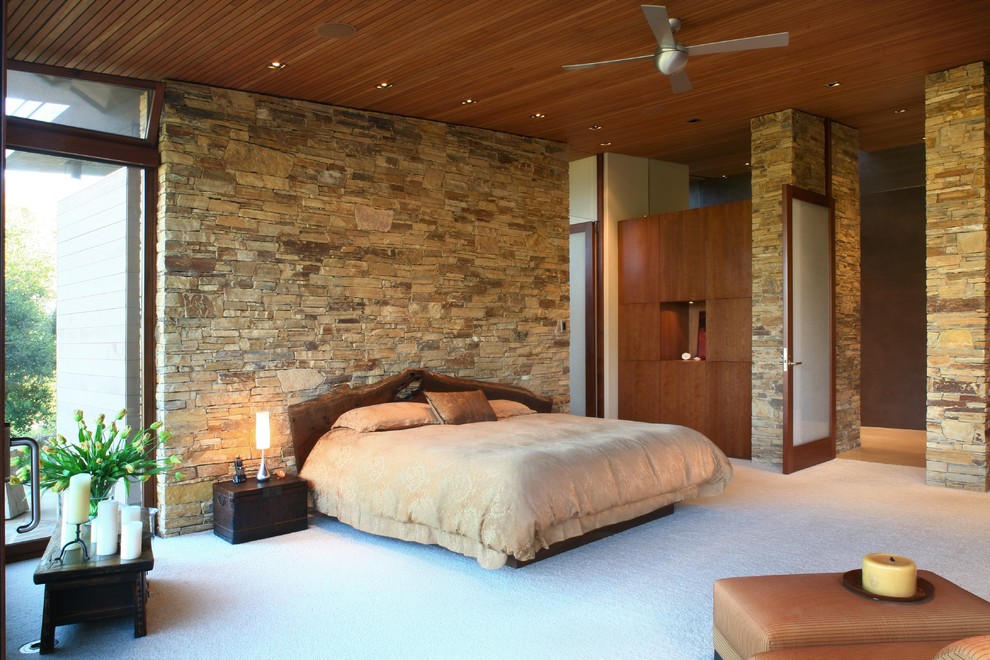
(388, 417)
(461, 407)
(506, 408)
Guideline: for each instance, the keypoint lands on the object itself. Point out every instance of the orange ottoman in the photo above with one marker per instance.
(771, 612)
(884, 651)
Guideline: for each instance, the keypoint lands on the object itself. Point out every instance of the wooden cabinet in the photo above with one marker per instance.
(677, 272)
(639, 276)
(682, 256)
(729, 334)
(639, 390)
(682, 393)
(729, 405)
(257, 510)
(729, 234)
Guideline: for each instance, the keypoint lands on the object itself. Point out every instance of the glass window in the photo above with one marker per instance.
(73, 279)
(80, 103)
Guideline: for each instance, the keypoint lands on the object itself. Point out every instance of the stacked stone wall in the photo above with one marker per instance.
(957, 142)
(301, 246)
(844, 162)
(788, 147)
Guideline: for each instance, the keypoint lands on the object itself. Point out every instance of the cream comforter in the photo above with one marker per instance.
(492, 489)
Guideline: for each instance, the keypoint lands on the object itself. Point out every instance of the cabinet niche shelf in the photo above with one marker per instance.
(680, 324)
(679, 272)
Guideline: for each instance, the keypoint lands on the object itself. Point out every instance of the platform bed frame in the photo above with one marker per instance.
(309, 420)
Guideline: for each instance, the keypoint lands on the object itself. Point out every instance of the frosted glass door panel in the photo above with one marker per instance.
(811, 324)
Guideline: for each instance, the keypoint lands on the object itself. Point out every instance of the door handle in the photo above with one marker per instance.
(788, 363)
(35, 450)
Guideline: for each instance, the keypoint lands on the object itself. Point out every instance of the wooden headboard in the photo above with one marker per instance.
(309, 420)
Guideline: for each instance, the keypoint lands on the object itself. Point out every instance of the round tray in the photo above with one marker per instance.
(853, 581)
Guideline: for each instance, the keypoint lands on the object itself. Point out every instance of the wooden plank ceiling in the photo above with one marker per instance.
(507, 55)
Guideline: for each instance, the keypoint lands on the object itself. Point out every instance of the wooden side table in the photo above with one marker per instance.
(78, 590)
(257, 510)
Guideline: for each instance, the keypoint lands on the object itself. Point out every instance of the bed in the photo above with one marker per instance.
(487, 469)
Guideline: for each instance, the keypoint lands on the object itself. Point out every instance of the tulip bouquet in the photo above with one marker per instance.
(106, 452)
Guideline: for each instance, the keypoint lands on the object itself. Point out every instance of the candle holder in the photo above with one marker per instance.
(152, 513)
(78, 540)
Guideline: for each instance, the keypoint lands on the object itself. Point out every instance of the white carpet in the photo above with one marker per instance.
(332, 592)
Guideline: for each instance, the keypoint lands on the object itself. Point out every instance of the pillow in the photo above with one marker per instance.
(388, 417)
(506, 408)
(461, 407)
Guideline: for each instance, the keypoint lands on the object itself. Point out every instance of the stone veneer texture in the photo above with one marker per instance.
(303, 245)
(957, 151)
(788, 147)
(848, 293)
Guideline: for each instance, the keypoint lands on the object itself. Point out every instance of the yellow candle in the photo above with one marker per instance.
(77, 499)
(890, 575)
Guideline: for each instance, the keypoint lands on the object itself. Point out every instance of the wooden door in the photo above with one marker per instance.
(809, 344)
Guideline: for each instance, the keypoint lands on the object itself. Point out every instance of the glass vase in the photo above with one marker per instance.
(99, 490)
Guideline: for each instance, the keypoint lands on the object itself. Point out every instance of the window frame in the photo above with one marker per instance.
(39, 136)
(58, 140)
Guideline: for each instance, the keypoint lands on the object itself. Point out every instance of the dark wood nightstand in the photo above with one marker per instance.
(253, 510)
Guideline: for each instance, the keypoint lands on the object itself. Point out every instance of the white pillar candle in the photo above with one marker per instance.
(76, 509)
(129, 514)
(130, 539)
(106, 528)
(890, 575)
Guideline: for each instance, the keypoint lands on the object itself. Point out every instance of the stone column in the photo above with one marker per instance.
(848, 295)
(788, 147)
(956, 139)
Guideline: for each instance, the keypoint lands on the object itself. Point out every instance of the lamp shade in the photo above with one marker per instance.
(262, 430)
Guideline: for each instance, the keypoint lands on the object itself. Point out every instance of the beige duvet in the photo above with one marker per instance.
(492, 489)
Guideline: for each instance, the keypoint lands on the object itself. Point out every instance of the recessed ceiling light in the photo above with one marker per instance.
(596, 127)
(276, 65)
(383, 85)
(900, 111)
(746, 164)
(834, 83)
(335, 30)
(605, 144)
(537, 115)
(725, 176)
(469, 101)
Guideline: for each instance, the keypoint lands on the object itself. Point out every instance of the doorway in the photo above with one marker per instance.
(73, 324)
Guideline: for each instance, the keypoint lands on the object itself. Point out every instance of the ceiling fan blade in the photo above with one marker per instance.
(656, 16)
(591, 64)
(679, 82)
(747, 43)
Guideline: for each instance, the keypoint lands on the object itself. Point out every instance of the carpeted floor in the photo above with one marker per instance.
(332, 592)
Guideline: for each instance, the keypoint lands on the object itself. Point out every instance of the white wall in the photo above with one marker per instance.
(98, 312)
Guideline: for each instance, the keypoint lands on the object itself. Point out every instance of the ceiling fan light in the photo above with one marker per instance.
(672, 61)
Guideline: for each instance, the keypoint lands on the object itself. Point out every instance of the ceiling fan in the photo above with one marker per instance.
(671, 55)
